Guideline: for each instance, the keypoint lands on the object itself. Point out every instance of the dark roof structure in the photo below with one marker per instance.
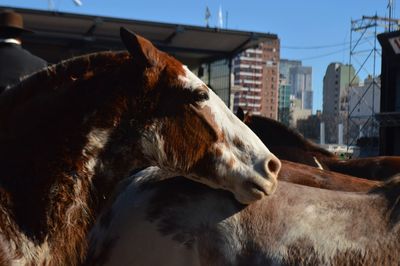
(60, 35)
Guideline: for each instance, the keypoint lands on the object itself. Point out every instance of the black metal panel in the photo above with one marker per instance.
(389, 117)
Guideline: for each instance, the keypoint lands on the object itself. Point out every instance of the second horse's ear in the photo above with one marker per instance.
(140, 48)
(240, 113)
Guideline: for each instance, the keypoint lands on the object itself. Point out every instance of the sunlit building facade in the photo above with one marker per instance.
(256, 74)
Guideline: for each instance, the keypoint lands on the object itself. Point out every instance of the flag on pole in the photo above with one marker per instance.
(77, 2)
(220, 18)
(207, 16)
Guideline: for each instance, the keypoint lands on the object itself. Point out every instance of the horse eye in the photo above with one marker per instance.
(201, 96)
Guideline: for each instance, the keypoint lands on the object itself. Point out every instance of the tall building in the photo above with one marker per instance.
(336, 82)
(335, 85)
(369, 93)
(364, 102)
(300, 79)
(256, 79)
(284, 101)
(284, 68)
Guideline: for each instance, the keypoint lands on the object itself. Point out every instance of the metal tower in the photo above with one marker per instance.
(363, 102)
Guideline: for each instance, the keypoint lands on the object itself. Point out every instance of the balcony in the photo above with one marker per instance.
(253, 59)
(249, 74)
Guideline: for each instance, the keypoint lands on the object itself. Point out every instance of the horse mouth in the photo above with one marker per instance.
(259, 190)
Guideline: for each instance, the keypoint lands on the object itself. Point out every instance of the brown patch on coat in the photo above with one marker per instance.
(238, 143)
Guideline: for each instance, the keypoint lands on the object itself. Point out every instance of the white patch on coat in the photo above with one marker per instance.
(96, 141)
(190, 80)
(152, 145)
(228, 123)
(31, 254)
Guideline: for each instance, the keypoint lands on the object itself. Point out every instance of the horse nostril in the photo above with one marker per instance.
(273, 166)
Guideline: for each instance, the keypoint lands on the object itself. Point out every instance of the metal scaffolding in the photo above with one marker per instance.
(364, 56)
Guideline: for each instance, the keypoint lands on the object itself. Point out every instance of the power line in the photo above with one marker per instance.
(324, 55)
(346, 49)
(314, 47)
(319, 46)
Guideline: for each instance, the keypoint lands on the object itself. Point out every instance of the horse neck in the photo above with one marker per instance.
(53, 143)
(276, 135)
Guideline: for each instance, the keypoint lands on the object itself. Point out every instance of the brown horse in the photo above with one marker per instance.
(287, 144)
(306, 175)
(69, 133)
(179, 222)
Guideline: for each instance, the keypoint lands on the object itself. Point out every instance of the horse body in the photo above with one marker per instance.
(178, 222)
(306, 175)
(68, 134)
(374, 168)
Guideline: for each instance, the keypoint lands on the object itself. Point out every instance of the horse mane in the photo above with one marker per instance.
(55, 78)
(281, 135)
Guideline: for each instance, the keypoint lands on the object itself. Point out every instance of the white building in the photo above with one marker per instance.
(364, 103)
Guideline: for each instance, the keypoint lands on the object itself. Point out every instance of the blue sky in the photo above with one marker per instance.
(306, 24)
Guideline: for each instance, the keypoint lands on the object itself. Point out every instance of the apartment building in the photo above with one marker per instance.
(256, 79)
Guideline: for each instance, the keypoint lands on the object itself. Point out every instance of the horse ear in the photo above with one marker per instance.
(240, 113)
(140, 48)
(247, 117)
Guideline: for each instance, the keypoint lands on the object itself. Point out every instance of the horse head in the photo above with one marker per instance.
(189, 131)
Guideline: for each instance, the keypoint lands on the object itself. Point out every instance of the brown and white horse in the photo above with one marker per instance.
(287, 144)
(69, 133)
(179, 222)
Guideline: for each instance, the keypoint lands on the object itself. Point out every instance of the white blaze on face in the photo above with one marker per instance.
(250, 158)
(229, 124)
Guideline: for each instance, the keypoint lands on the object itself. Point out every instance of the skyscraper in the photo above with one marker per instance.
(300, 79)
(284, 101)
(284, 68)
(336, 82)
